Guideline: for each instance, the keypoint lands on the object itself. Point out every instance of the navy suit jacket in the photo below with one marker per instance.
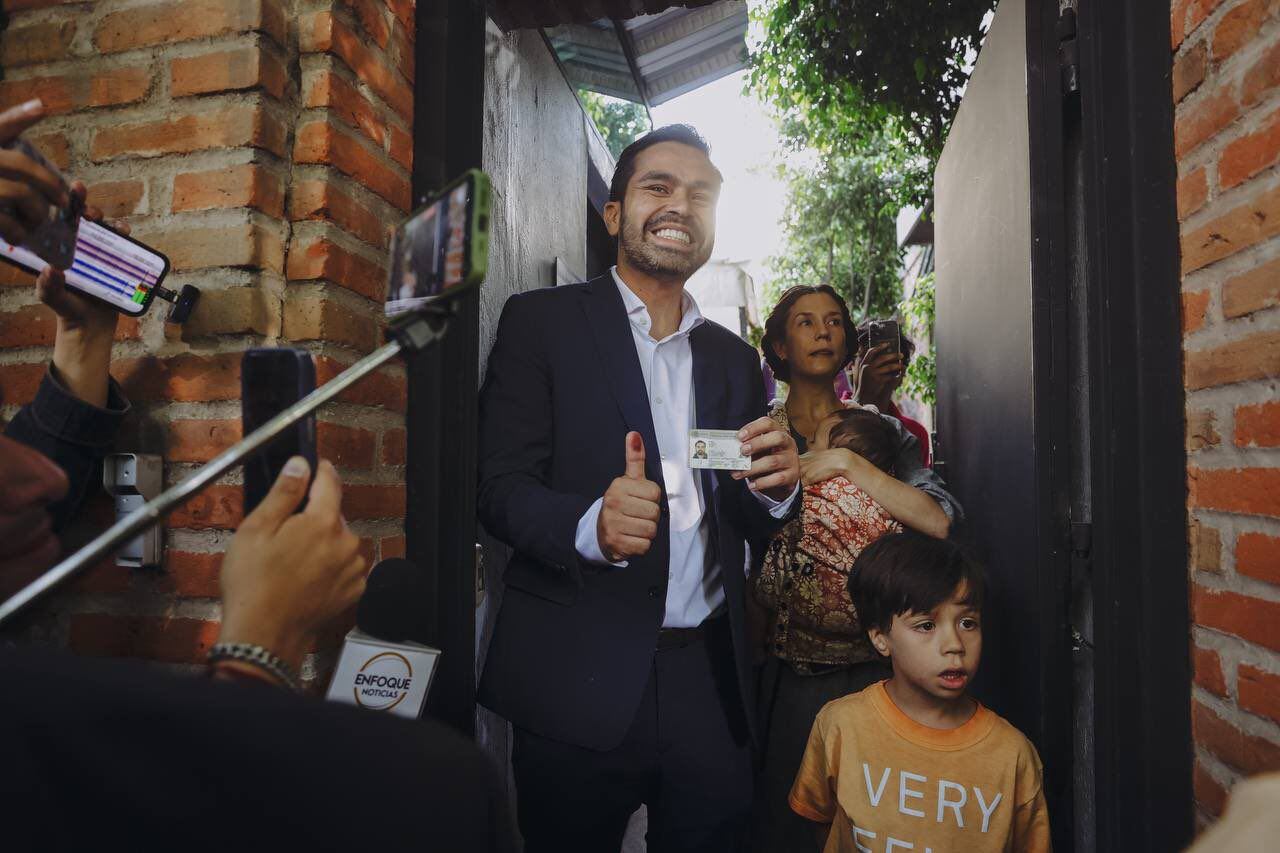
(574, 642)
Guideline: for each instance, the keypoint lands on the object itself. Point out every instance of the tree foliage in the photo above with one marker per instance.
(840, 229)
(846, 75)
(872, 88)
(918, 311)
(619, 122)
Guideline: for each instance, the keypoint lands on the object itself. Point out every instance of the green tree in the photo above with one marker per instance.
(845, 76)
(840, 229)
(619, 122)
(921, 381)
(872, 88)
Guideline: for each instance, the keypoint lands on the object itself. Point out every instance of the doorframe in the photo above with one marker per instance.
(1144, 750)
(443, 383)
(1050, 359)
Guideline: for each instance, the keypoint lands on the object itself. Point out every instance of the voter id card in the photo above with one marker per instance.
(717, 448)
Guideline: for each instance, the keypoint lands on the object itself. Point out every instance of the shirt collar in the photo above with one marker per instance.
(690, 317)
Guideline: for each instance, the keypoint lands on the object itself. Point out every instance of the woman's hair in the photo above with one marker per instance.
(867, 434)
(775, 328)
(909, 572)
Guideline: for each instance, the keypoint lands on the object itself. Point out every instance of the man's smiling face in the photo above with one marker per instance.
(666, 223)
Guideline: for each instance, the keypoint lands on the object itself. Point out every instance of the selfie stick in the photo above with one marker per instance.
(409, 334)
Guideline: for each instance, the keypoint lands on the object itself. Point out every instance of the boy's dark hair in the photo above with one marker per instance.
(626, 167)
(911, 573)
(867, 434)
(905, 345)
(775, 327)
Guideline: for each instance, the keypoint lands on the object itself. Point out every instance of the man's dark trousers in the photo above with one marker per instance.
(573, 662)
(687, 755)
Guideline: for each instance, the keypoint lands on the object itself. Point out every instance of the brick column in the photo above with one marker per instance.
(265, 147)
(1226, 84)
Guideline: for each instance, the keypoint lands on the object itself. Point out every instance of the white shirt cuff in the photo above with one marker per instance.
(777, 509)
(587, 542)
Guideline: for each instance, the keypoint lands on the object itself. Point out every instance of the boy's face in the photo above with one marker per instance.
(934, 653)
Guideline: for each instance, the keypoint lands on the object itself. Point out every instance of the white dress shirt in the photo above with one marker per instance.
(694, 589)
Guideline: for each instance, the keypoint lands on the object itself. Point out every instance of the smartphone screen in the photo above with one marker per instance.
(271, 380)
(107, 265)
(443, 245)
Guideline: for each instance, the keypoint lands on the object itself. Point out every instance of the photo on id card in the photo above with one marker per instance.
(720, 449)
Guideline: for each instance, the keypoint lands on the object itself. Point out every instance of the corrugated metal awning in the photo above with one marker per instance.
(654, 58)
(530, 14)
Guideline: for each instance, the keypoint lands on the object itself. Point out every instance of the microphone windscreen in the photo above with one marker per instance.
(392, 606)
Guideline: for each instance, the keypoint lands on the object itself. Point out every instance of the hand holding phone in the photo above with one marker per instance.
(50, 228)
(271, 380)
(109, 266)
(33, 195)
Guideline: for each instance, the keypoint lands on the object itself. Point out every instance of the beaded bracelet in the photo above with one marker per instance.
(256, 656)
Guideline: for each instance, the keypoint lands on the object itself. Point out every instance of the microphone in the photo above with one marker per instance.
(381, 669)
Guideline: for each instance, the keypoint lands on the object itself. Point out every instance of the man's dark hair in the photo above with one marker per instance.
(911, 573)
(905, 345)
(867, 434)
(775, 327)
(626, 167)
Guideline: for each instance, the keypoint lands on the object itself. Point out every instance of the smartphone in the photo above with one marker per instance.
(54, 241)
(107, 266)
(271, 380)
(884, 332)
(443, 246)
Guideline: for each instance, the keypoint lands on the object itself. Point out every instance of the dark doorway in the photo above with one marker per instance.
(440, 526)
(601, 248)
(1060, 405)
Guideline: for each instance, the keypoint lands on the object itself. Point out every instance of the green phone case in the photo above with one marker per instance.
(476, 260)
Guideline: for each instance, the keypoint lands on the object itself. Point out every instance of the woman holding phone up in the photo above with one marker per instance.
(809, 339)
(880, 368)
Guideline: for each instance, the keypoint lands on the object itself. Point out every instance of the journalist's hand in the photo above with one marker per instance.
(27, 189)
(629, 515)
(286, 575)
(78, 314)
(86, 327)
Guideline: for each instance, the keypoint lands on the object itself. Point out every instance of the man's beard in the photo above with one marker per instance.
(656, 260)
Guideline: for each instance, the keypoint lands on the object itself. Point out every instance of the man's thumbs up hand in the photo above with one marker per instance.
(629, 514)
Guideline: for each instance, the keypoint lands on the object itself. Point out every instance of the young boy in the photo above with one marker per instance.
(915, 763)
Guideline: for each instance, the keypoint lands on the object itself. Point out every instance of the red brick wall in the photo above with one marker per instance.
(265, 147)
(1226, 83)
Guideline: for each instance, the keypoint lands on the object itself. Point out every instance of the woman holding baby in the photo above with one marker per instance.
(862, 476)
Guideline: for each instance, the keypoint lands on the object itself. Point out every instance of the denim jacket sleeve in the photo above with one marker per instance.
(908, 469)
(71, 432)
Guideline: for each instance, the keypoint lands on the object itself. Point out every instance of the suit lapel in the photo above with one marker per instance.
(708, 381)
(607, 319)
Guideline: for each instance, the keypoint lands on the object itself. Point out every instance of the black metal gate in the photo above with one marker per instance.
(1060, 404)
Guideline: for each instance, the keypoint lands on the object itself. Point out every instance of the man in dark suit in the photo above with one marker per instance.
(620, 651)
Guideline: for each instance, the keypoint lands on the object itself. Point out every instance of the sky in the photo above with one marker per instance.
(744, 145)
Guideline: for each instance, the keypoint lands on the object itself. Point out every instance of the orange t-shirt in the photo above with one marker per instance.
(888, 784)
